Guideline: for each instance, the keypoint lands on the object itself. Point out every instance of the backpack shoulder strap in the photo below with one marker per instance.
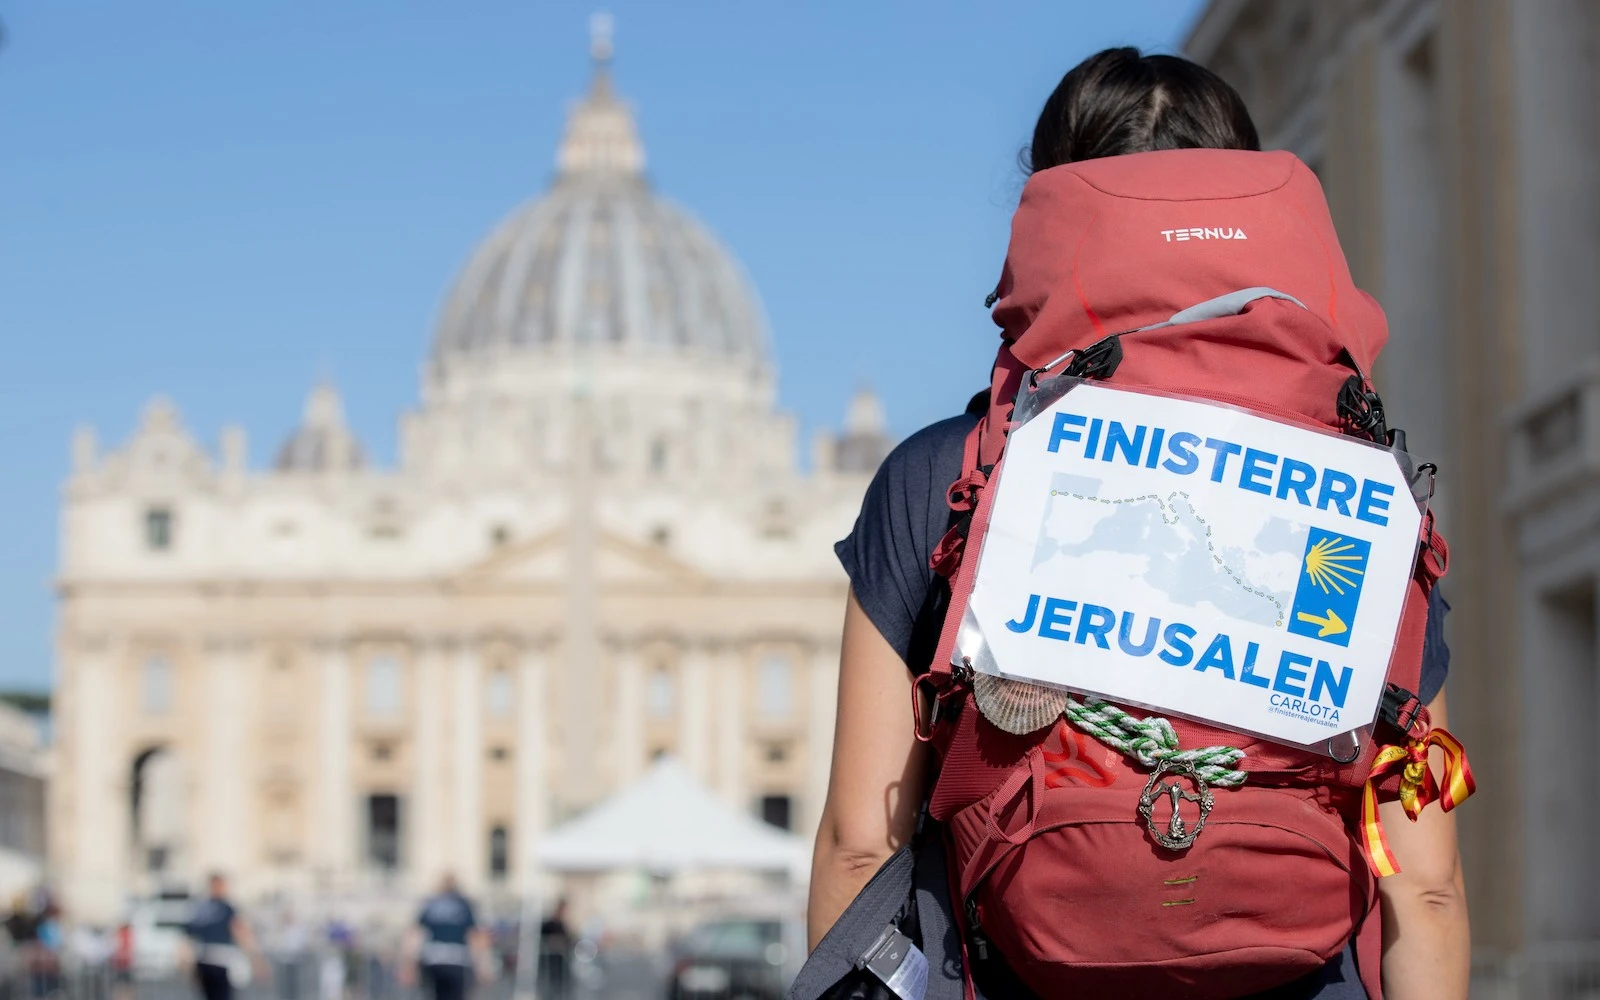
(929, 621)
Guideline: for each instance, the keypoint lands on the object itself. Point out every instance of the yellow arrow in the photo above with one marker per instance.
(1331, 625)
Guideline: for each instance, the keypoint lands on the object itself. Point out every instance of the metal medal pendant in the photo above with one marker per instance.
(1175, 834)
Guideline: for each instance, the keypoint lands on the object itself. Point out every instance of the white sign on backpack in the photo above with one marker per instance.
(1199, 560)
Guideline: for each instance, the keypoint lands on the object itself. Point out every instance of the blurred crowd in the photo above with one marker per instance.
(45, 954)
(36, 950)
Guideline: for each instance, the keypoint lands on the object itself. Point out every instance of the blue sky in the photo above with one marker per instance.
(220, 202)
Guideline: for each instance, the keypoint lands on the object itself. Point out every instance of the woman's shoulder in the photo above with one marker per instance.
(903, 516)
(931, 452)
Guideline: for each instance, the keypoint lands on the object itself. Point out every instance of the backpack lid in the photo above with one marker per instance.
(1109, 245)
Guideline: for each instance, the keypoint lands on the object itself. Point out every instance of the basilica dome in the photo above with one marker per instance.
(601, 260)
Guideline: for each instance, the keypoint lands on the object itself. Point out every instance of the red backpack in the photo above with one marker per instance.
(1053, 865)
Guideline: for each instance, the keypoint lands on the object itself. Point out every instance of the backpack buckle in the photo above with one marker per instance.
(1403, 710)
(1176, 834)
(1361, 409)
(1099, 360)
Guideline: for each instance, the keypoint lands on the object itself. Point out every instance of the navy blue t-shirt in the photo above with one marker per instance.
(904, 515)
(212, 922)
(447, 918)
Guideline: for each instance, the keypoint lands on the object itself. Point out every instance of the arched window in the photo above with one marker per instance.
(383, 831)
(155, 686)
(777, 686)
(658, 456)
(500, 693)
(499, 853)
(156, 800)
(662, 695)
(158, 529)
(778, 810)
(384, 695)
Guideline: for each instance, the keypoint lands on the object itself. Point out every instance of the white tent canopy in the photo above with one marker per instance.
(667, 822)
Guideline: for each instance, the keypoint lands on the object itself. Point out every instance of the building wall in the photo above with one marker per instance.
(1457, 145)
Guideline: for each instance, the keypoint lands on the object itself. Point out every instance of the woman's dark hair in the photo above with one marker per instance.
(1120, 101)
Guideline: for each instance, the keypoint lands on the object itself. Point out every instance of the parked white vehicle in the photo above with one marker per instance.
(158, 932)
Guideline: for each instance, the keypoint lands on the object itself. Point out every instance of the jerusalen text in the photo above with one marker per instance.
(1052, 618)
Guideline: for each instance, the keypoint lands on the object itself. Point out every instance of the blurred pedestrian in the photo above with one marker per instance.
(87, 959)
(343, 938)
(378, 975)
(20, 922)
(225, 951)
(44, 953)
(333, 971)
(331, 975)
(555, 951)
(447, 944)
(122, 963)
(22, 926)
(290, 946)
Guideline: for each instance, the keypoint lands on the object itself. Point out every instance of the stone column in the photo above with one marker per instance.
(1560, 869)
(470, 832)
(428, 859)
(226, 820)
(335, 835)
(1557, 209)
(97, 871)
(582, 657)
(630, 716)
(533, 790)
(731, 726)
(694, 738)
(822, 698)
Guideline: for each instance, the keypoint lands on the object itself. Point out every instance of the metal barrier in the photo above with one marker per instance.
(329, 974)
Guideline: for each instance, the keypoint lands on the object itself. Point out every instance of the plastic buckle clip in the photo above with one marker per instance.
(1099, 360)
(1402, 709)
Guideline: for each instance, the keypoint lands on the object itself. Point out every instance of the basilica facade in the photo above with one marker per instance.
(596, 547)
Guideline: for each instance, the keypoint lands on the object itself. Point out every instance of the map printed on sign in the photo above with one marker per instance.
(1199, 560)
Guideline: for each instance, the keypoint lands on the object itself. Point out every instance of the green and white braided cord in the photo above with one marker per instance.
(1152, 740)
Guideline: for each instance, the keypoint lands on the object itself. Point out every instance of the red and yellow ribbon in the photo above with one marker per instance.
(1417, 789)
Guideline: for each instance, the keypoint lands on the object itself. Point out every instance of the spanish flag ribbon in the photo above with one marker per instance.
(1417, 789)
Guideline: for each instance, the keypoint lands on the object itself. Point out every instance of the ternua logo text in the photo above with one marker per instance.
(1206, 233)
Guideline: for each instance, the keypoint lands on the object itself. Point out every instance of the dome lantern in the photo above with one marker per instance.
(600, 138)
(601, 261)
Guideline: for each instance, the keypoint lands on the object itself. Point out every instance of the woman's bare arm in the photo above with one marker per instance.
(875, 787)
(1426, 941)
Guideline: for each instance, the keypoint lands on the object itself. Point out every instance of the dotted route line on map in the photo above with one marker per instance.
(1169, 515)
